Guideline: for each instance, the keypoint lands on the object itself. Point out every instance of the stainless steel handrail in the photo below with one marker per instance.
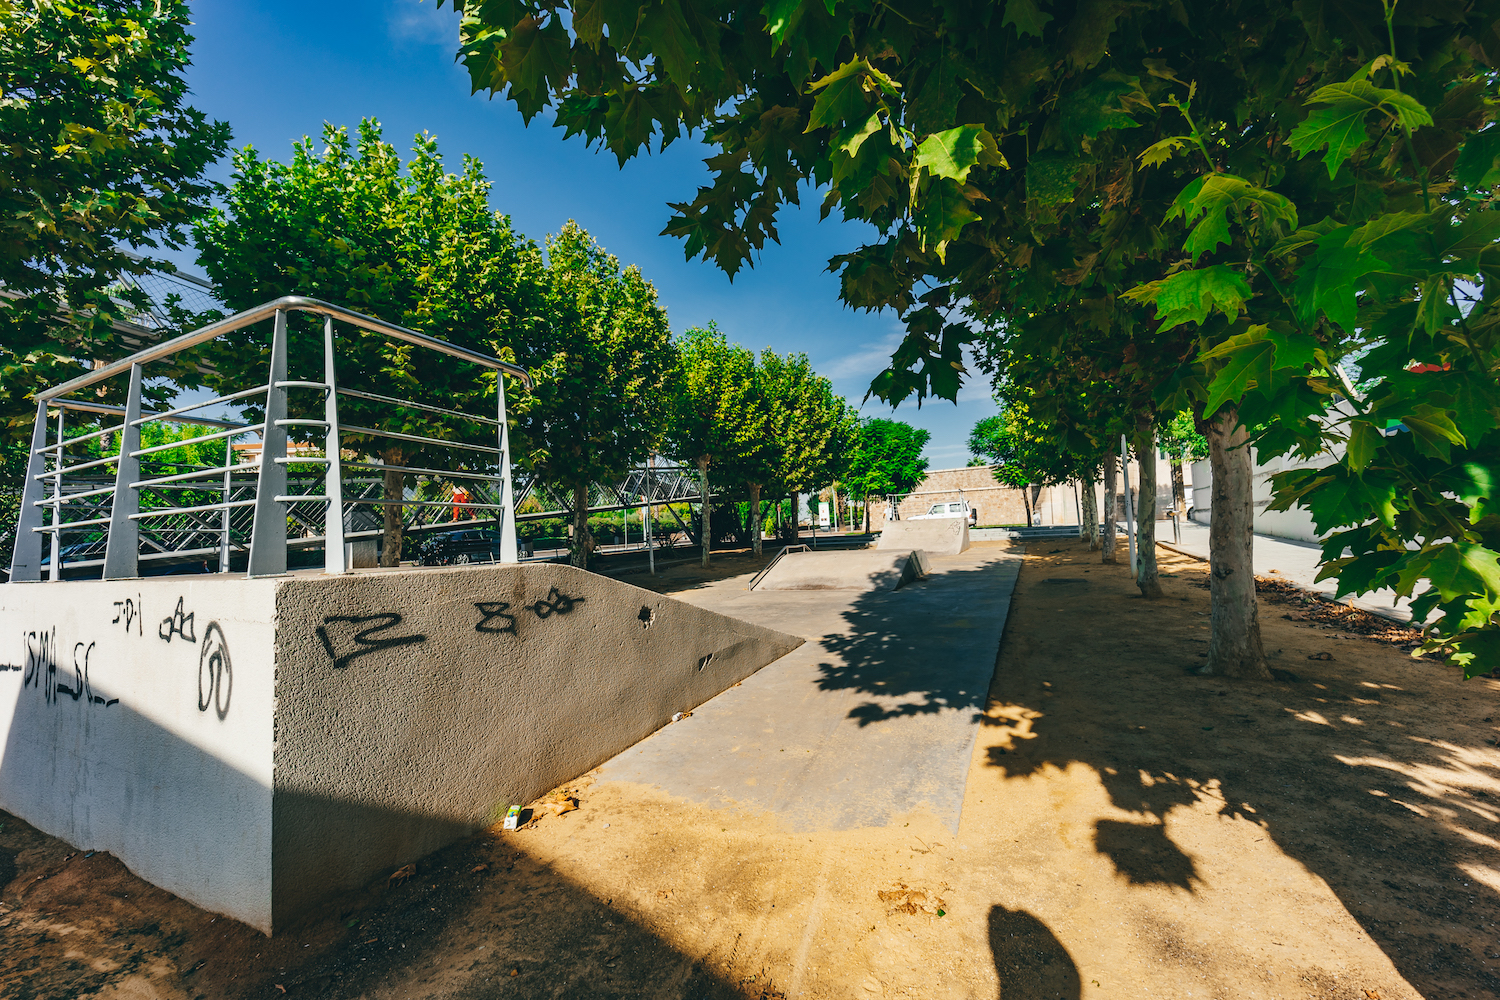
(287, 303)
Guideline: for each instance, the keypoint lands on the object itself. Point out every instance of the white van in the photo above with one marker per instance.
(949, 508)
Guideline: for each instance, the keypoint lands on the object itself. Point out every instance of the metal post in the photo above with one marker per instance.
(508, 552)
(26, 557)
(650, 544)
(224, 514)
(54, 546)
(268, 533)
(334, 560)
(1129, 503)
(122, 547)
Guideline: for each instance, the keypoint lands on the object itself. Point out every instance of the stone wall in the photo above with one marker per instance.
(994, 503)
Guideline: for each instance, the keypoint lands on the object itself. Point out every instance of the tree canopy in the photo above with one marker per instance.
(605, 369)
(417, 246)
(102, 154)
(886, 458)
(1214, 203)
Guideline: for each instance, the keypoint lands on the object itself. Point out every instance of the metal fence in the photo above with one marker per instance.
(154, 509)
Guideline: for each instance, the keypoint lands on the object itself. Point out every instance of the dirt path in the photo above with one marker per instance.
(1128, 831)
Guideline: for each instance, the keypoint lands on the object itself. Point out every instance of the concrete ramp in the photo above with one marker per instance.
(943, 536)
(850, 569)
(256, 746)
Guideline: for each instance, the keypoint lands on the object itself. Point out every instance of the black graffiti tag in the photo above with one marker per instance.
(178, 623)
(215, 676)
(41, 657)
(129, 611)
(82, 688)
(492, 610)
(365, 640)
(554, 603)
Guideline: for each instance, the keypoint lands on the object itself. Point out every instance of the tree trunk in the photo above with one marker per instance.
(582, 544)
(1111, 486)
(1179, 492)
(1090, 505)
(1026, 499)
(1234, 644)
(703, 485)
(796, 526)
(390, 514)
(755, 523)
(1146, 577)
(1036, 500)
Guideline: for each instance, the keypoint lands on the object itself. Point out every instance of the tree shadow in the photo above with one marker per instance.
(1030, 962)
(1356, 771)
(920, 650)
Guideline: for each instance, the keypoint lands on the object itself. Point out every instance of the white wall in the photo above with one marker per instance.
(136, 719)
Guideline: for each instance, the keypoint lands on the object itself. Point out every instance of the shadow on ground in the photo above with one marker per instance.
(478, 919)
(1373, 770)
(905, 671)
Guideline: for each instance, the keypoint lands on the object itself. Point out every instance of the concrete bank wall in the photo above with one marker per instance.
(416, 706)
(361, 722)
(137, 719)
(943, 535)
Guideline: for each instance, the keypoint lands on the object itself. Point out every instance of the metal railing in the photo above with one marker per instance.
(176, 510)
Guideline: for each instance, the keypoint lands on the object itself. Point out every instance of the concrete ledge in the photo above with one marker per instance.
(853, 569)
(256, 746)
(940, 536)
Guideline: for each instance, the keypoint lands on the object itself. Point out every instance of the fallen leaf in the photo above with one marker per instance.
(558, 806)
(1321, 656)
(280, 987)
(515, 972)
(478, 868)
(402, 874)
(1373, 994)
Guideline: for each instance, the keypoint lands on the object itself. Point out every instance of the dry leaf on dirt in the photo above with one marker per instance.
(478, 868)
(1321, 656)
(558, 806)
(904, 899)
(402, 874)
(664, 894)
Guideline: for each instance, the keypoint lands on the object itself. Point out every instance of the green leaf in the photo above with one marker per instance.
(1050, 179)
(1248, 365)
(955, 152)
(1190, 296)
(536, 58)
(1101, 104)
(1211, 199)
(841, 96)
(1331, 279)
(1341, 127)
(1160, 152)
(942, 211)
(1364, 438)
(778, 15)
(1478, 163)
(672, 41)
(1026, 17)
(1433, 430)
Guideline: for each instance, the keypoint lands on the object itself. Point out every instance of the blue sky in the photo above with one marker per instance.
(276, 70)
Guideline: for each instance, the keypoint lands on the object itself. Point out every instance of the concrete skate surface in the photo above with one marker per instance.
(873, 718)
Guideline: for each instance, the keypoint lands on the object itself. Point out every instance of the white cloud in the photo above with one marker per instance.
(421, 23)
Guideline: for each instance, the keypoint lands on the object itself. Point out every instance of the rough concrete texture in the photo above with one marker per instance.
(939, 536)
(850, 569)
(137, 719)
(873, 719)
(406, 708)
(416, 706)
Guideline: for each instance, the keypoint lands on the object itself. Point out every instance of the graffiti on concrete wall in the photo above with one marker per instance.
(177, 624)
(60, 676)
(494, 611)
(128, 611)
(555, 603)
(348, 637)
(215, 676)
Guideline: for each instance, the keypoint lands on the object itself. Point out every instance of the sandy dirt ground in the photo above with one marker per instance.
(1129, 830)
